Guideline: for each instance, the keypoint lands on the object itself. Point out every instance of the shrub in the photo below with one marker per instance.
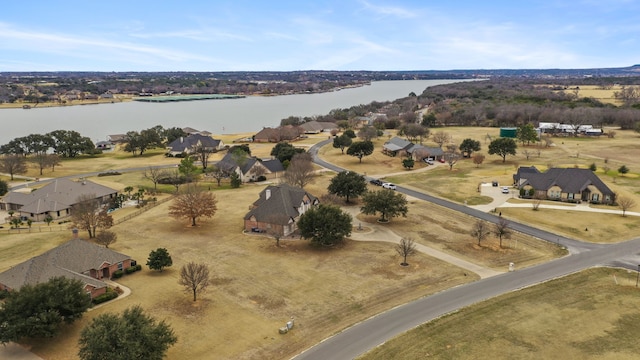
(117, 274)
(109, 295)
(130, 270)
(138, 267)
(4, 294)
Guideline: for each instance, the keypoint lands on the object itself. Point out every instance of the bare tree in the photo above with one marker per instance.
(368, 133)
(478, 159)
(420, 154)
(300, 171)
(625, 203)
(405, 248)
(13, 165)
(87, 215)
(202, 153)
(501, 230)
(480, 231)
(154, 174)
(106, 238)
(41, 160)
(527, 153)
(194, 277)
(451, 156)
(53, 160)
(441, 138)
(193, 204)
(537, 201)
(217, 173)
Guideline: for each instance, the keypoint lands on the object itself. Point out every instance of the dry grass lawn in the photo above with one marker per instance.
(582, 316)
(258, 286)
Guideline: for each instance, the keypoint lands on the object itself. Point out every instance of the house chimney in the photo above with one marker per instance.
(74, 233)
(267, 194)
(181, 139)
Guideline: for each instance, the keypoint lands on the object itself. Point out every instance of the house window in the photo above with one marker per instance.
(119, 266)
(570, 196)
(595, 197)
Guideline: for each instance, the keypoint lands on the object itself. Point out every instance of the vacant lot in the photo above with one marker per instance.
(582, 316)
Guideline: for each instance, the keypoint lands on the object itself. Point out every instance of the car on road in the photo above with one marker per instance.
(494, 183)
(377, 182)
(505, 189)
(389, 186)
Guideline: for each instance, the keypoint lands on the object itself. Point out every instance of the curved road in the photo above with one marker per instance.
(370, 333)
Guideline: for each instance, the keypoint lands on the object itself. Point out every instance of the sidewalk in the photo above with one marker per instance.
(383, 234)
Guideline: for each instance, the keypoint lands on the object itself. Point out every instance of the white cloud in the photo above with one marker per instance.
(395, 11)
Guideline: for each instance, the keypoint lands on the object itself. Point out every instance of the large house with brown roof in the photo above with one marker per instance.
(75, 259)
(278, 210)
(564, 184)
(281, 133)
(56, 199)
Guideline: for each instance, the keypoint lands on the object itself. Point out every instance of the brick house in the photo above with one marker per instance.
(278, 209)
(75, 259)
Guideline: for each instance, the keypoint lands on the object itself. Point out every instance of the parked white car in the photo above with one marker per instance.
(505, 189)
(389, 186)
(429, 161)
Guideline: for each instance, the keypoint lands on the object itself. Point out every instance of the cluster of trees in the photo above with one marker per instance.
(327, 225)
(65, 143)
(38, 311)
(481, 230)
(139, 142)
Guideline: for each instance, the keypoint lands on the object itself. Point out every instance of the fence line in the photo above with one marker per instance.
(148, 206)
(66, 226)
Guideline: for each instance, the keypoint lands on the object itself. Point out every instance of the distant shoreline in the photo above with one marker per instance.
(155, 98)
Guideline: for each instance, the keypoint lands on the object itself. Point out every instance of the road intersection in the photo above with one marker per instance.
(376, 330)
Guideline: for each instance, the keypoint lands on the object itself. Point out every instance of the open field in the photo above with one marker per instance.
(581, 316)
(593, 91)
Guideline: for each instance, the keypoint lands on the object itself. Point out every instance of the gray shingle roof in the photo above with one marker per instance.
(57, 195)
(279, 204)
(186, 144)
(570, 180)
(228, 163)
(70, 259)
(396, 143)
(433, 151)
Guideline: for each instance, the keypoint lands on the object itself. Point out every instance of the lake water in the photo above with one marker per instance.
(231, 116)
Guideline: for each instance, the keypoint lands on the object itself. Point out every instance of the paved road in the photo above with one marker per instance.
(366, 335)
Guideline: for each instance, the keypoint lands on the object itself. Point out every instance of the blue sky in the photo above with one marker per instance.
(278, 35)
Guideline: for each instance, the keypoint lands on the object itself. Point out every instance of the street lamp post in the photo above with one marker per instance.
(638, 277)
